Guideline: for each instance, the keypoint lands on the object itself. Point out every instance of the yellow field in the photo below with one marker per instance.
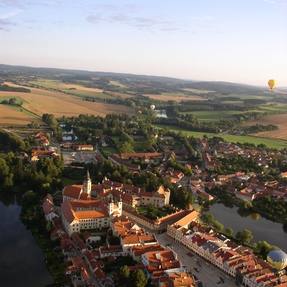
(117, 84)
(64, 86)
(279, 120)
(41, 101)
(174, 97)
(12, 116)
(80, 90)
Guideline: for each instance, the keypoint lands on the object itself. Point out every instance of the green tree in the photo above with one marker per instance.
(207, 218)
(139, 278)
(11, 142)
(116, 175)
(6, 177)
(245, 236)
(123, 276)
(182, 198)
(218, 226)
(263, 248)
(229, 232)
(126, 147)
(124, 272)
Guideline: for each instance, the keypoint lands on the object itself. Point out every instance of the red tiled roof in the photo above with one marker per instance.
(48, 204)
(142, 249)
(191, 216)
(176, 279)
(72, 191)
(161, 260)
(73, 210)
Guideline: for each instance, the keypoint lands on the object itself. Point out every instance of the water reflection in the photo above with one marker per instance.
(21, 260)
(262, 228)
(255, 216)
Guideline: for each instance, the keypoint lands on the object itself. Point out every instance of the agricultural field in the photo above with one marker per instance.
(280, 120)
(207, 116)
(197, 91)
(176, 97)
(72, 89)
(41, 101)
(118, 84)
(262, 96)
(14, 116)
(55, 84)
(272, 143)
(81, 90)
(212, 116)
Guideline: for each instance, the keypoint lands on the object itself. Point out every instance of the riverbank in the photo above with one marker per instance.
(20, 254)
(267, 207)
(231, 217)
(33, 218)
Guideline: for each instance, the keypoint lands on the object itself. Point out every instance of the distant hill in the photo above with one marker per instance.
(136, 83)
(226, 87)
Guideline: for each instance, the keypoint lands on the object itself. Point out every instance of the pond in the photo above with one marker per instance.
(21, 260)
(262, 229)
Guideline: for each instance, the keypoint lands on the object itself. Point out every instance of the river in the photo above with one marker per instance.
(262, 229)
(21, 260)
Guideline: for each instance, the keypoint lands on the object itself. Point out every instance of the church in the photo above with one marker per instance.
(79, 211)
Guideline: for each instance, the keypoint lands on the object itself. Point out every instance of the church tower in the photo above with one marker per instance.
(120, 206)
(111, 206)
(87, 184)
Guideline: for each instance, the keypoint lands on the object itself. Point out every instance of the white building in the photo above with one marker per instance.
(49, 208)
(84, 213)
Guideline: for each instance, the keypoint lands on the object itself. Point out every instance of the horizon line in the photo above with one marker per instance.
(135, 74)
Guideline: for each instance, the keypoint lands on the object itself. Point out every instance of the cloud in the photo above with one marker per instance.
(13, 8)
(132, 15)
(139, 22)
(6, 19)
(11, 3)
(129, 14)
(276, 2)
(28, 3)
(11, 14)
(4, 25)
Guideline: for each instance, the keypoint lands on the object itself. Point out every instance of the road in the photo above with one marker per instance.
(209, 275)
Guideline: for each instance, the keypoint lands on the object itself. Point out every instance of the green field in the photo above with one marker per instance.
(243, 96)
(271, 143)
(208, 116)
(72, 89)
(84, 94)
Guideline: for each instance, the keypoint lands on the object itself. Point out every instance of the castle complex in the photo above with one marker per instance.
(89, 206)
(80, 211)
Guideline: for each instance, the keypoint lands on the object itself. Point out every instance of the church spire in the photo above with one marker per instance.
(87, 184)
(88, 175)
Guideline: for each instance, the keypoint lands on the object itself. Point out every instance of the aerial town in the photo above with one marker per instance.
(107, 229)
(123, 200)
(143, 143)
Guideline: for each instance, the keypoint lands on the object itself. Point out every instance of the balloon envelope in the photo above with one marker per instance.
(271, 84)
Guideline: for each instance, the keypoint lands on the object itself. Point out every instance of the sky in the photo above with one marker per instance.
(241, 41)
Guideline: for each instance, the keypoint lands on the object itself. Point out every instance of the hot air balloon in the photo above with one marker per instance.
(278, 259)
(271, 84)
